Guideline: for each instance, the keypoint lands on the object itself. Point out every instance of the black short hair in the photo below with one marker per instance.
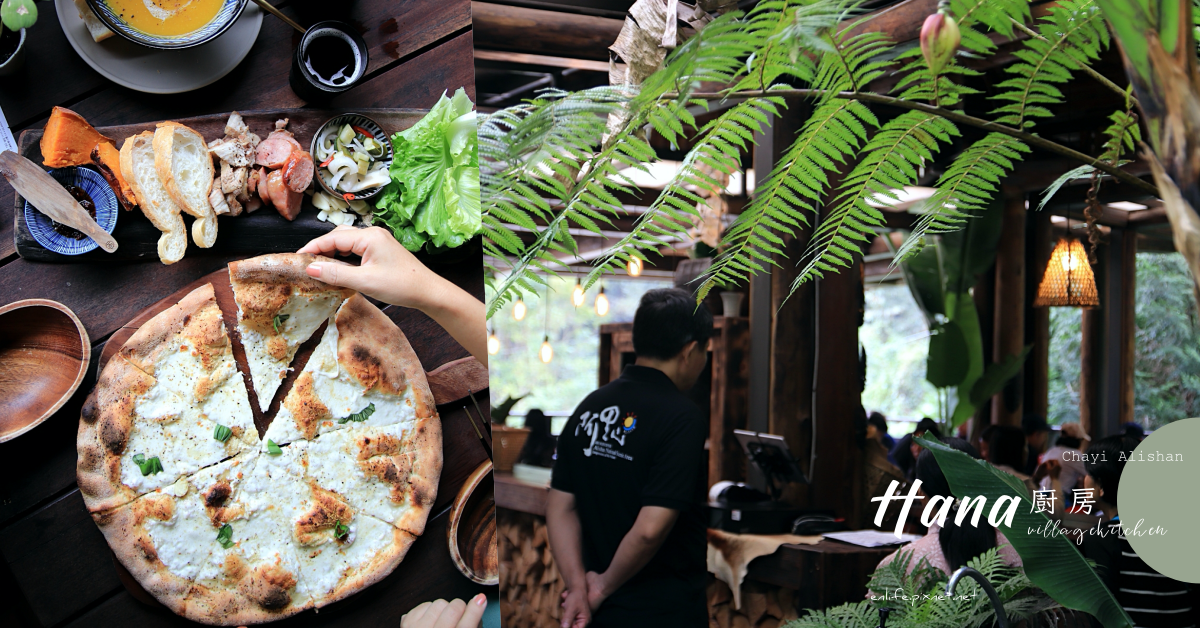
(1106, 460)
(878, 420)
(1033, 423)
(1006, 446)
(959, 543)
(929, 426)
(666, 320)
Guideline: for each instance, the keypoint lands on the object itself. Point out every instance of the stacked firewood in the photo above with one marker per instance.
(530, 587)
(763, 606)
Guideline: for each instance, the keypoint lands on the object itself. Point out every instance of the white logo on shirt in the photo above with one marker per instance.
(601, 427)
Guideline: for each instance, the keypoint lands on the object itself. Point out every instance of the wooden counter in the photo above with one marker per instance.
(823, 575)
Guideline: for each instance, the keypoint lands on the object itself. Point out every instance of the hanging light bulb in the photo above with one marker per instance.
(601, 302)
(1068, 280)
(577, 293)
(519, 309)
(493, 344)
(634, 266)
(547, 352)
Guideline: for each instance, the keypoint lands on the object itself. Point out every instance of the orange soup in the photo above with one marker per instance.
(166, 18)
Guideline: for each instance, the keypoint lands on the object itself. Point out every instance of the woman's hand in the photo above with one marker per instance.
(443, 614)
(393, 275)
(388, 271)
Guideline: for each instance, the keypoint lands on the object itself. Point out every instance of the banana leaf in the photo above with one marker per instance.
(947, 361)
(1051, 562)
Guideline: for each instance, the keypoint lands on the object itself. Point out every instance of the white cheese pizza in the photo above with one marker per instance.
(226, 528)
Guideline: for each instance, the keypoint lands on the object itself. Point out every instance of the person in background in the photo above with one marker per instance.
(1059, 470)
(982, 441)
(950, 547)
(1007, 451)
(539, 446)
(877, 429)
(625, 512)
(1037, 439)
(1134, 431)
(1151, 599)
(904, 454)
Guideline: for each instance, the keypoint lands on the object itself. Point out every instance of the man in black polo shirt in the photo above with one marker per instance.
(625, 511)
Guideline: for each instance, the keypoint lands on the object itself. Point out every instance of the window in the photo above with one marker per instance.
(896, 339)
(1167, 353)
(574, 335)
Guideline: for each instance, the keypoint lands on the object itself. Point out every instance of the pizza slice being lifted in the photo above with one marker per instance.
(279, 307)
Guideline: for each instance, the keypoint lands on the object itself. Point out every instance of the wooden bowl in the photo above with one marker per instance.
(44, 354)
(472, 531)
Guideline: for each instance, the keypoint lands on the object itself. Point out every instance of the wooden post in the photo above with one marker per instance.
(1091, 367)
(1009, 324)
(1037, 320)
(788, 326)
(1128, 325)
(984, 295)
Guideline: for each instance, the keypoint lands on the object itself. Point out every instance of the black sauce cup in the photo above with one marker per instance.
(308, 85)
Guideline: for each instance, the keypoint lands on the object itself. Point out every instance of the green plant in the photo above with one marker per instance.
(554, 163)
(917, 598)
(940, 275)
(501, 411)
(1050, 560)
(18, 14)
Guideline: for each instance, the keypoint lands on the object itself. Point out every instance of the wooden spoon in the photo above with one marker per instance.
(51, 198)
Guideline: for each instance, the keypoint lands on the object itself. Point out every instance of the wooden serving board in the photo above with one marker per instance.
(263, 231)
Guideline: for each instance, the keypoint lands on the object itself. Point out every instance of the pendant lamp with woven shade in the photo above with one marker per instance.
(1068, 281)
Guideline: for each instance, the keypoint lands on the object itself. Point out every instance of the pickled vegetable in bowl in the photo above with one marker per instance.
(352, 160)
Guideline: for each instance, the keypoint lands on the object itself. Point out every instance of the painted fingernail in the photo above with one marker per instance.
(314, 270)
(481, 599)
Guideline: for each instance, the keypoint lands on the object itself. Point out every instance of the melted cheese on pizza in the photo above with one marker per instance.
(167, 428)
(269, 355)
(328, 398)
(361, 464)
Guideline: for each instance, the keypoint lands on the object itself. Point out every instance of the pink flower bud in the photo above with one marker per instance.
(939, 40)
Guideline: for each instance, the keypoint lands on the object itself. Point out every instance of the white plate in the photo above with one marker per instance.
(161, 71)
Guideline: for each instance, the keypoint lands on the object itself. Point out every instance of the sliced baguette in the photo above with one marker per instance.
(96, 28)
(137, 167)
(185, 167)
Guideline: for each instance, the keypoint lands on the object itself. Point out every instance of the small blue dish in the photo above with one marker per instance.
(41, 227)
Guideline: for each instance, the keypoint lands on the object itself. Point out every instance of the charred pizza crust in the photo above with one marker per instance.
(279, 307)
(333, 513)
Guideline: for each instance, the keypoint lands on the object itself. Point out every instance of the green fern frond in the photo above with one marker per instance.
(671, 215)
(976, 17)
(889, 162)
(1072, 35)
(832, 135)
(966, 186)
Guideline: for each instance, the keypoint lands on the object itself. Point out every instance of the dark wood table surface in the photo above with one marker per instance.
(56, 569)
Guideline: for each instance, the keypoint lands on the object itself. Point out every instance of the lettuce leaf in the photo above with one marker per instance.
(433, 199)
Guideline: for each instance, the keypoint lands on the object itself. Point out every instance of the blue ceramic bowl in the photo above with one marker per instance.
(225, 17)
(40, 225)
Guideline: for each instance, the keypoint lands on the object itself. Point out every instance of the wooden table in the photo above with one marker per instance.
(56, 568)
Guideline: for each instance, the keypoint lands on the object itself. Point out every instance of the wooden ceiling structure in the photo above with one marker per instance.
(526, 45)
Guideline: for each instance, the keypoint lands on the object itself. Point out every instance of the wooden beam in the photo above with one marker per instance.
(540, 60)
(900, 22)
(1009, 331)
(551, 33)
